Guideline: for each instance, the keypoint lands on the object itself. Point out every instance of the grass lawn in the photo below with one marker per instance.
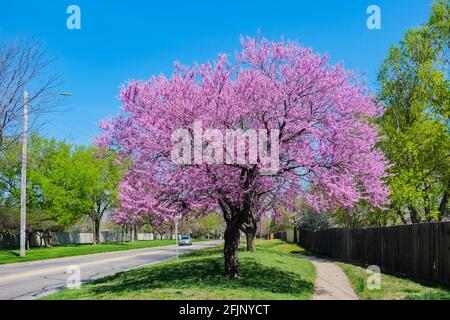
(392, 288)
(270, 273)
(12, 256)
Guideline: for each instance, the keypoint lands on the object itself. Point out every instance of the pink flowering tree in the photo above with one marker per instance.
(260, 210)
(313, 131)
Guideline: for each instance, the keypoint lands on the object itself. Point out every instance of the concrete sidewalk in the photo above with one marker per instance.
(331, 281)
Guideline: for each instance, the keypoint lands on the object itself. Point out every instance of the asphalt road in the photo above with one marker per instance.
(31, 280)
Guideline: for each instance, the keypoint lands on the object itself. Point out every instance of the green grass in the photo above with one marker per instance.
(392, 288)
(270, 273)
(12, 256)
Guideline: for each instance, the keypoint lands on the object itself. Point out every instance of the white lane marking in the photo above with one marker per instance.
(82, 265)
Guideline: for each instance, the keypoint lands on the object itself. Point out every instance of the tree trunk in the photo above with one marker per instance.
(97, 232)
(235, 217)
(131, 234)
(250, 235)
(251, 241)
(295, 235)
(402, 216)
(443, 206)
(230, 251)
(135, 233)
(250, 227)
(414, 215)
(28, 241)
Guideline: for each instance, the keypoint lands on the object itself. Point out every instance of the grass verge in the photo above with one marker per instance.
(12, 256)
(392, 288)
(270, 273)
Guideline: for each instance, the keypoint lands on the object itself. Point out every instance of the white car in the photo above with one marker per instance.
(185, 241)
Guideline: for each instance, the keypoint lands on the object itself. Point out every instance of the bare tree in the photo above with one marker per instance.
(24, 66)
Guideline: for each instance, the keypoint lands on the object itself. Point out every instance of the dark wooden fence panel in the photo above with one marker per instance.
(420, 251)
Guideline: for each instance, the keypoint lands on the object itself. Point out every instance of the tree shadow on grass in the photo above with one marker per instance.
(13, 253)
(269, 244)
(442, 295)
(204, 273)
(283, 247)
(203, 253)
(358, 277)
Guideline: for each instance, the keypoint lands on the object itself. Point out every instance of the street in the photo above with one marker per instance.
(31, 280)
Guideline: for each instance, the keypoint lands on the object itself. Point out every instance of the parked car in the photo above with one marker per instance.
(185, 241)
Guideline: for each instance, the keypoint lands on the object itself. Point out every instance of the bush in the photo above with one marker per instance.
(313, 221)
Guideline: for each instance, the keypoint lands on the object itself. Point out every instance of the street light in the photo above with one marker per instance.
(176, 234)
(23, 189)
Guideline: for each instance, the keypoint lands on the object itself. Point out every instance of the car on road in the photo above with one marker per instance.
(185, 241)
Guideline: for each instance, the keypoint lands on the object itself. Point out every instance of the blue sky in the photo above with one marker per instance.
(134, 39)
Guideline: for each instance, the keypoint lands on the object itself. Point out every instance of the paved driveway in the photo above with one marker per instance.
(31, 280)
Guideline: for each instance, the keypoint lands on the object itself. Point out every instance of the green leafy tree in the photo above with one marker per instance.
(414, 88)
(311, 220)
(278, 224)
(39, 223)
(53, 180)
(10, 170)
(208, 226)
(95, 179)
(9, 221)
(363, 215)
(64, 181)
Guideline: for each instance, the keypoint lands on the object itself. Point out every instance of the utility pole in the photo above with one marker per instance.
(176, 236)
(23, 191)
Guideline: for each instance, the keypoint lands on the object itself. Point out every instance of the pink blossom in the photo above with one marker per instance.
(327, 144)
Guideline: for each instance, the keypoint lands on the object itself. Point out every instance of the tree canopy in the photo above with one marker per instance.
(315, 114)
(64, 181)
(415, 90)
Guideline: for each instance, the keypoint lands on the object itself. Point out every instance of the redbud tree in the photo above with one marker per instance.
(316, 119)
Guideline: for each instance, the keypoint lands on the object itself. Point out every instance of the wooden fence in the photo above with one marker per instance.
(420, 251)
